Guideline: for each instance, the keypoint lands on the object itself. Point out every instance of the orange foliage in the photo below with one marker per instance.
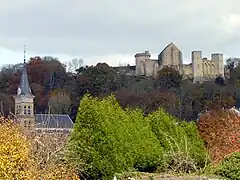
(221, 133)
(36, 70)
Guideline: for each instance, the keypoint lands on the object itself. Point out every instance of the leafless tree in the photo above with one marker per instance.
(74, 64)
(232, 63)
(48, 152)
(48, 148)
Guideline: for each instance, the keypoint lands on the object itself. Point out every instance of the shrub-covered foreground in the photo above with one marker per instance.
(107, 139)
(230, 167)
(183, 146)
(19, 161)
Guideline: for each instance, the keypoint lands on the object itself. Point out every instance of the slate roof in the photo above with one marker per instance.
(24, 84)
(53, 121)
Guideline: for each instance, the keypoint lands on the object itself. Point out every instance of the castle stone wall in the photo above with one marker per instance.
(200, 69)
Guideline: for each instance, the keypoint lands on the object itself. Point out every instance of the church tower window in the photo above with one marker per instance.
(25, 123)
(29, 110)
(25, 110)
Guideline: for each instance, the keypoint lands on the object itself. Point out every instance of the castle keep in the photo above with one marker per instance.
(201, 69)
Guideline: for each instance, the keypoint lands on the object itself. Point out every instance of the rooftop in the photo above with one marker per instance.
(53, 121)
(24, 88)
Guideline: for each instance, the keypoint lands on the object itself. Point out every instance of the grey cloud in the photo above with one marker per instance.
(79, 27)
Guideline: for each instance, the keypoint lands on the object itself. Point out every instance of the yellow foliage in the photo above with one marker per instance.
(59, 172)
(17, 160)
(14, 153)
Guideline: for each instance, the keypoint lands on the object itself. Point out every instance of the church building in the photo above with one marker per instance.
(24, 110)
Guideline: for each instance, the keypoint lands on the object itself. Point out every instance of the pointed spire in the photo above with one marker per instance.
(24, 84)
(24, 88)
(24, 54)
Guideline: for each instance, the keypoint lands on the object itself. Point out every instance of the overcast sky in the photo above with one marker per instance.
(113, 31)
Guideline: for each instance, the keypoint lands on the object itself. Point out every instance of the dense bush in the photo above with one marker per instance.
(107, 139)
(181, 142)
(220, 131)
(229, 168)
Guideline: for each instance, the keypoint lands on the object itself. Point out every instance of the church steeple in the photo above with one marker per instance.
(24, 88)
(24, 105)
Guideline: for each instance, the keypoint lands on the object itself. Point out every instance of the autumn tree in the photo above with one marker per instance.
(169, 78)
(233, 66)
(217, 97)
(9, 79)
(28, 155)
(220, 131)
(99, 79)
(10, 76)
(47, 71)
(15, 152)
(45, 74)
(148, 101)
(6, 104)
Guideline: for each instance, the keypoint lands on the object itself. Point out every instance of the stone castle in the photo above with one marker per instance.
(201, 69)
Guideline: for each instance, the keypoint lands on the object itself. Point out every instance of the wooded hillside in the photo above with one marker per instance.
(58, 88)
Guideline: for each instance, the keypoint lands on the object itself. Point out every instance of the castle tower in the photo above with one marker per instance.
(141, 59)
(171, 56)
(217, 58)
(197, 66)
(24, 105)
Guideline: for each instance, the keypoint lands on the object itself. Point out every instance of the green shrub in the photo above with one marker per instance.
(230, 167)
(183, 146)
(111, 140)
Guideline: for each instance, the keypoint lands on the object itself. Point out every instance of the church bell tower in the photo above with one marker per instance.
(24, 105)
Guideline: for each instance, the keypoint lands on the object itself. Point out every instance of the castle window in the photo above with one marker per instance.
(25, 109)
(29, 110)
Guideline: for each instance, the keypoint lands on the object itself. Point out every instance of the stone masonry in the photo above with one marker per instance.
(200, 69)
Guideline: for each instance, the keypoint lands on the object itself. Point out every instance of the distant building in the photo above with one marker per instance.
(201, 69)
(24, 111)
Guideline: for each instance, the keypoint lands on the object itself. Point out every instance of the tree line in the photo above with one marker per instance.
(59, 87)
